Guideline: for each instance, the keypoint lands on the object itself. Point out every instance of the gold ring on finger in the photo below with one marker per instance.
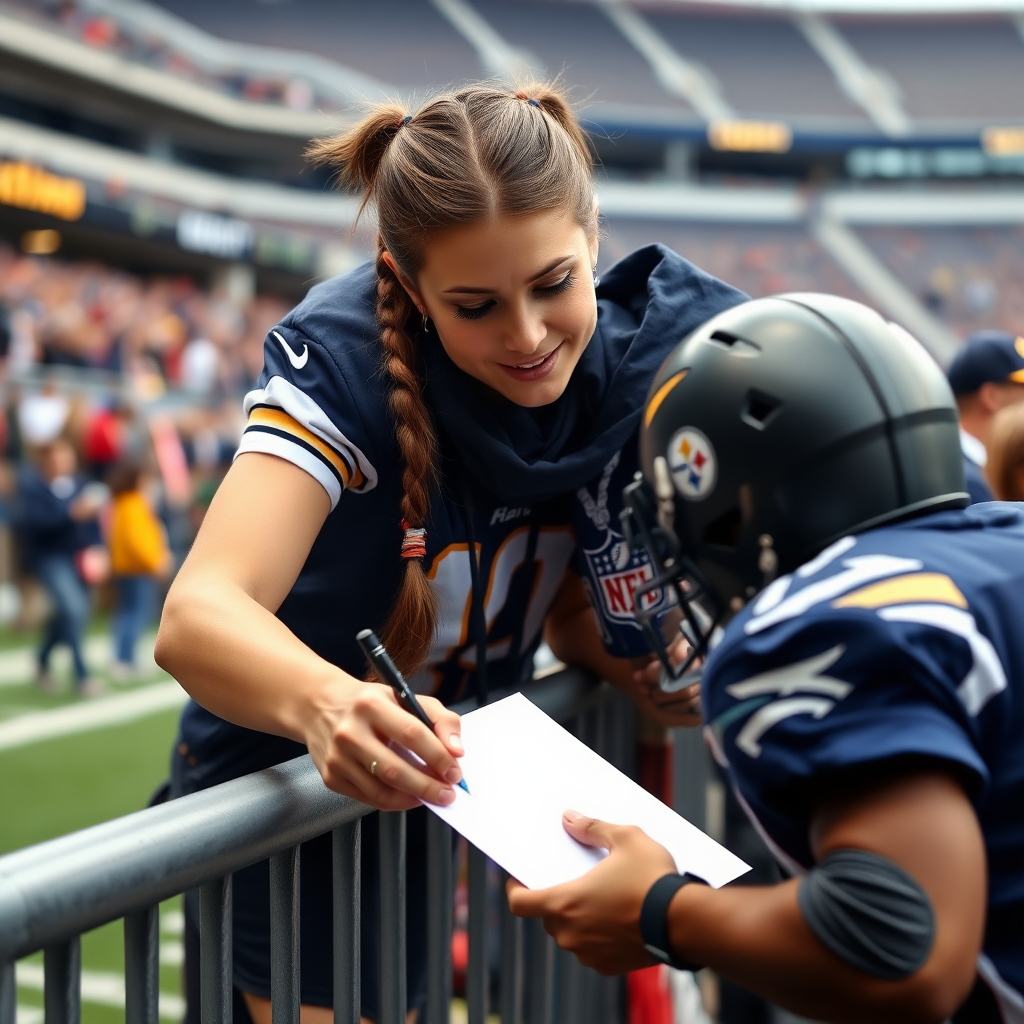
(373, 768)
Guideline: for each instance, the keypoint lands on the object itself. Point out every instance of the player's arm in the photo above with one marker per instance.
(758, 937)
(572, 634)
(219, 637)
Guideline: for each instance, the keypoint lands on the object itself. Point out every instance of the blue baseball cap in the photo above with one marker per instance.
(994, 357)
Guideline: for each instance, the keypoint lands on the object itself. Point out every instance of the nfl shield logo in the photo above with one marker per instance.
(618, 573)
(692, 462)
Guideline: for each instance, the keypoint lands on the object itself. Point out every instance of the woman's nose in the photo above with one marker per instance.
(526, 332)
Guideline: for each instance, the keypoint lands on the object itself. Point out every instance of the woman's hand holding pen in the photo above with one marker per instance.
(349, 737)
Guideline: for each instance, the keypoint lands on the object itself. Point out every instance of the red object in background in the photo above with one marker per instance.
(654, 761)
(99, 32)
(648, 993)
(104, 438)
(170, 457)
(650, 999)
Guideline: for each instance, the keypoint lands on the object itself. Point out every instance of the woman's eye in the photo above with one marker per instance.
(556, 289)
(473, 312)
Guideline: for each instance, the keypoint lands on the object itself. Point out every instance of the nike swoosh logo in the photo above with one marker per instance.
(293, 357)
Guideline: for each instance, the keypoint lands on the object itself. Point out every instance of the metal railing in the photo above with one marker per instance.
(53, 892)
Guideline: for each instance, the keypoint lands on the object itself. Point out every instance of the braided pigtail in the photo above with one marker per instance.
(410, 626)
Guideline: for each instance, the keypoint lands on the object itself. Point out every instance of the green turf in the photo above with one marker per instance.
(62, 785)
(48, 789)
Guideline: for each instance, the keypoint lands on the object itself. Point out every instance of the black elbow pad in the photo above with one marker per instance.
(869, 912)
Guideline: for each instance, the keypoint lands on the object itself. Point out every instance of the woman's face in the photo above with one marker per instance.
(512, 300)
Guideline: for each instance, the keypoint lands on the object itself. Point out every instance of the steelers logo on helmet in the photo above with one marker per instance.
(692, 462)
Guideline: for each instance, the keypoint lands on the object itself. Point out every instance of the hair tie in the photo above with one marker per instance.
(414, 542)
(405, 120)
(534, 103)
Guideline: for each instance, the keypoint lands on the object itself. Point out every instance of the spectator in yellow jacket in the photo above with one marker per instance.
(139, 558)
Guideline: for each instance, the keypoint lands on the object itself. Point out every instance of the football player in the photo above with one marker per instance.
(863, 683)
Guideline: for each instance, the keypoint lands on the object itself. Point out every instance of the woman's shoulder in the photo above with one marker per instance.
(340, 315)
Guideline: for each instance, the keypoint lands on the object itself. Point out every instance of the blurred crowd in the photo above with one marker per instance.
(120, 412)
(148, 46)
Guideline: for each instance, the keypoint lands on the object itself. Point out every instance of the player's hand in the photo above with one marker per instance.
(597, 917)
(349, 743)
(679, 709)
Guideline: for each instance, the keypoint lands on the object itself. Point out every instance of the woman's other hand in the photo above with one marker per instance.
(350, 740)
(671, 708)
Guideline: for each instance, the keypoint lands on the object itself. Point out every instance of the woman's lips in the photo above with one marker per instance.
(535, 369)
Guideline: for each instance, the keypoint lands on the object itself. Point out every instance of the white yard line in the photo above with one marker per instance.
(28, 1015)
(102, 988)
(18, 666)
(89, 715)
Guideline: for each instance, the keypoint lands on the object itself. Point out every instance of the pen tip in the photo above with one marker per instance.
(462, 785)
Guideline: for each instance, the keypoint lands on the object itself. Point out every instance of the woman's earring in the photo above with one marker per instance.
(426, 324)
(597, 280)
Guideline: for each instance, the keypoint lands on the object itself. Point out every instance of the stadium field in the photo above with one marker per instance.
(66, 764)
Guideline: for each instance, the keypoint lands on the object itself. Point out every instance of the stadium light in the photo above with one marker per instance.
(1003, 141)
(31, 188)
(750, 136)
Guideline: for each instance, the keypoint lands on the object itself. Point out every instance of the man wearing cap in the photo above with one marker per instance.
(986, 374)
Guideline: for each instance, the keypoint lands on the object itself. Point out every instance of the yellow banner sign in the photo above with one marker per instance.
(31, 188)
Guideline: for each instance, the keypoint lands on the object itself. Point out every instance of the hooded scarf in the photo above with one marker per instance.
(646, 304)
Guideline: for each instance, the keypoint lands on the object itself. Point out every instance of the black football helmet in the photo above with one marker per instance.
(771, 431)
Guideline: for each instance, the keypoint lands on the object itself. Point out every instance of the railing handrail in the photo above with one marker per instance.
(60, 888)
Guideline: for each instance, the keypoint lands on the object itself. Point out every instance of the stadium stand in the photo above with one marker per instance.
(764, 65)
(969, 276)
(949, 68)
(760, 259)
(405, 43)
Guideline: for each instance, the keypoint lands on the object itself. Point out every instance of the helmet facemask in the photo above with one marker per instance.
(647, 519)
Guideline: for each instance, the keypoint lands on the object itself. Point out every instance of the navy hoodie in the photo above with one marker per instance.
(534, 490)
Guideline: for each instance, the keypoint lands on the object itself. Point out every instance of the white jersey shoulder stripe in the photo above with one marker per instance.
(285, 395)
(856, 572)
(987, 676)
(273, 444)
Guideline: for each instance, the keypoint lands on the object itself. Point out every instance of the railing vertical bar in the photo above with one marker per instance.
(392, 917)
(142, 966)
(440, 912)
(62, 982)
(8, 993)
(284, 937)
(347, 855)
(542, 974)
(511, 962)
(477, 971)
(216, 960)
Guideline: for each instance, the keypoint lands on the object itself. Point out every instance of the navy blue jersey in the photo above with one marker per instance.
(906, 641)
(321, 403)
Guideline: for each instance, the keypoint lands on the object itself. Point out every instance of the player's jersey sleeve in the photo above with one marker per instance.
(305, 411)
(877, 660)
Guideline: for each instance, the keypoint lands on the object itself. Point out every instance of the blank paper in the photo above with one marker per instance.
(523, 770)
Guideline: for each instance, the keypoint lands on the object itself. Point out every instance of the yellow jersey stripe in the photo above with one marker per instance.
(279, 419)
(661, 394)
(914, 588)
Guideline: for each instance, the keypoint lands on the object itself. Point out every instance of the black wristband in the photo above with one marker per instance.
(654, 919)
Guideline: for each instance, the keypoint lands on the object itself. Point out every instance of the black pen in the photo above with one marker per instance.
(388, 671)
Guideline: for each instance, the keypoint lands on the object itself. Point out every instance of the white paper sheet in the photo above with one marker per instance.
(523, 770)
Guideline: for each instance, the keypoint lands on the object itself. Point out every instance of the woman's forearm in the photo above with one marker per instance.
(238, 660)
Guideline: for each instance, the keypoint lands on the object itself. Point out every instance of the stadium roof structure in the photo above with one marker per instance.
(831, 72)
